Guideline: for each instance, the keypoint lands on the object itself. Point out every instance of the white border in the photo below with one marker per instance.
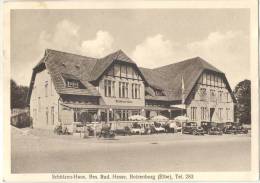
(202, 176)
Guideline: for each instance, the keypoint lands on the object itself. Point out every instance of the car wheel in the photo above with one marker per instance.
(194, 132)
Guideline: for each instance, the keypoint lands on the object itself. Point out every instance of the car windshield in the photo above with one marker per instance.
(214, 124)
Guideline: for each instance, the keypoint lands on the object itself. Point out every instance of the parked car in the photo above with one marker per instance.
(215, 131)
(230, 130)
(157, 128)
(123, 131)
(221, 126)
(234, 128)
(137, 129)
(240, 129)
(173, 127)
(106, 132)
(211, 128)
(192, 128)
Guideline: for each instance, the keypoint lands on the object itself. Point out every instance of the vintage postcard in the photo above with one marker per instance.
(131, 91)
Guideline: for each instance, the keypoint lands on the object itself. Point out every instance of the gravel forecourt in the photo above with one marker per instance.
(37, 151)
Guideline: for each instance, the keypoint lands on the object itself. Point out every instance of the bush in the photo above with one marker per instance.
(21, 120)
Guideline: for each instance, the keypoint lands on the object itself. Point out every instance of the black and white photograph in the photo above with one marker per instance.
(132, 94)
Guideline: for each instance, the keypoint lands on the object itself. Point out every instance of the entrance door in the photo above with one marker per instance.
(212, 110)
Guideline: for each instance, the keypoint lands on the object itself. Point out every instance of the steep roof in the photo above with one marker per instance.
(106, 61)
(62, 66)
(169, 77)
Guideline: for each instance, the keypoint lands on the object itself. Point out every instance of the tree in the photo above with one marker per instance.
(18, 95)
(242, 93)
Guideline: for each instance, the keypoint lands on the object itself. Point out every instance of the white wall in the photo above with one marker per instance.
(196, 102)
(121, 101)
(38, 111)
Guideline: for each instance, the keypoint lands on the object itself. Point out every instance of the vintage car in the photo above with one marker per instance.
(137, 129)
(192, 128)
(241, 130)
(173, 127)
(211, 128)
(234, 128)
(123, 131)
(215, 131)
(157, 128)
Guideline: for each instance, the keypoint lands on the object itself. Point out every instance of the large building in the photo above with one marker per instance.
(67, 88)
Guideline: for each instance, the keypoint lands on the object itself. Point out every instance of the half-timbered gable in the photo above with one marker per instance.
(67, 88)
(201, 88)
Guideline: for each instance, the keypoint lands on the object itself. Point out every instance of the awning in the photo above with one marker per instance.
(180, 106)
(87, 106)
(156, 108)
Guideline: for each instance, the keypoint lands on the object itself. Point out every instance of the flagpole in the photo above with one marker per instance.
(182, 92)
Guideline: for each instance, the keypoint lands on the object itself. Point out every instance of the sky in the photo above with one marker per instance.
(151, 37)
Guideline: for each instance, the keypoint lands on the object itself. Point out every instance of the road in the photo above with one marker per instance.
(37, 153)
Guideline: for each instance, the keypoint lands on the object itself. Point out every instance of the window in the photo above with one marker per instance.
(117, 70)
(51, 88)
(121, 115)
(34, 115)
(123, 89)
(222, 84)
(158, 92)
(109, 88)
(129, 72)
(136, 91)
(219, 82)
(203, 94)
(123, 70)
(203, 113)
(228, 116)
(216, 81)
(72, 84)
(212, 95)
(136, 112)
(212, 80)
(220, 113)
(46, 88)
(193, 113)
(47, 115)
(227, 97)
(39, 104)
(208, 79)
(220, 96)
(204, 79)
(52, 115)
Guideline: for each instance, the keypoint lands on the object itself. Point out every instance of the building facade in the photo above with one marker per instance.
(67, 88)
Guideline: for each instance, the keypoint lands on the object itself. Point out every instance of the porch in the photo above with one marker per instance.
(108, 113)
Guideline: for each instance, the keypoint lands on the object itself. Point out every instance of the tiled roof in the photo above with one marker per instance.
(105, 62)
(168, 78)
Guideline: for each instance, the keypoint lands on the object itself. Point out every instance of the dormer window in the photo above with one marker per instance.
(72, 84)
(72, 81)
(158, 92)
